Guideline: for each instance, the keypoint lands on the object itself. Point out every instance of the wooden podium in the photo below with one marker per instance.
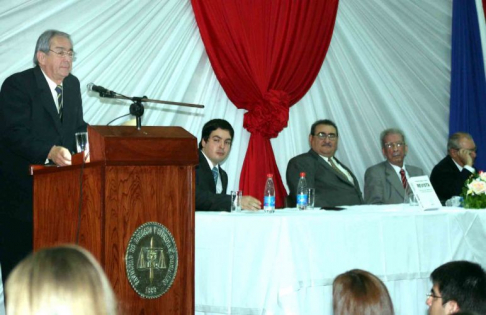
(133, 177)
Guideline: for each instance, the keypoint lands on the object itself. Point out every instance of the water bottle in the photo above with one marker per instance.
(302, 193)
(269, 195)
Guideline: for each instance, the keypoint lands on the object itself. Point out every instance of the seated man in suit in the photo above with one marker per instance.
(334, 183)
(449, 175)
(211, 179)
(457, 286)
(386, 182)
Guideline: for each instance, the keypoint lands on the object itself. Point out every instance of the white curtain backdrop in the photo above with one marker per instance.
(388, 65)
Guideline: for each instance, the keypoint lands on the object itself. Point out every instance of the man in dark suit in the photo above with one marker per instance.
(40, 111)
(387, 182)
(334, 183)
(449, 175)
(211, 179)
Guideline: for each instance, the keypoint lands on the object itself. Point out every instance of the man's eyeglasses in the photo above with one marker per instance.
(323, 135)
(390, 145)
(432, 295)
(65, 54)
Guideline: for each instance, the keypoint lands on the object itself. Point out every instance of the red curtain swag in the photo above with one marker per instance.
(266, 54)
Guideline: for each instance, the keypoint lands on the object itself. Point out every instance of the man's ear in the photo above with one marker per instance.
(41, 57)
(452, 307)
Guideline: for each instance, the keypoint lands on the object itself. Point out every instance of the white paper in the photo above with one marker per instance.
(424, 192)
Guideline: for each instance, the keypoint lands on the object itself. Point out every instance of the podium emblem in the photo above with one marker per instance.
(151, 260)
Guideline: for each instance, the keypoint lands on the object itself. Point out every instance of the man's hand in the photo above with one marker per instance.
(250, 203)
(465, 156)
(60, 156)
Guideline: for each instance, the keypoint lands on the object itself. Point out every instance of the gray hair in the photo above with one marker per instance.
(391, 131)
(44, 42)
(453, 142)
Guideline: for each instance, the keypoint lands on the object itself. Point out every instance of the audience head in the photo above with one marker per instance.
(360, 292)
(216, 138)
(59, 280)
(458, 141)
(393, 146)
(457, 286)
(324, 137)
(54, 54)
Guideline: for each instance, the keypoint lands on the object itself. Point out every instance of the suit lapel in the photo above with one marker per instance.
(330, 169)
(47, 99)
(208, 177)
(392, 178)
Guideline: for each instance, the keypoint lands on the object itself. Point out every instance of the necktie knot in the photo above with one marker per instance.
(215, 174)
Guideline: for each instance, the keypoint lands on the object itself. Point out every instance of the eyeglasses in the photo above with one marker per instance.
(65, 54)
(323, 135)
(390, 145)
(432, 295)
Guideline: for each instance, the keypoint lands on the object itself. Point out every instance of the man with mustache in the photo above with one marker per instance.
(211, 179)
(449, 175)
(334, 183)
(387, 182)
(40, 111)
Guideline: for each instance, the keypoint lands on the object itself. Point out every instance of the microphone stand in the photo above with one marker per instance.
(137, 109)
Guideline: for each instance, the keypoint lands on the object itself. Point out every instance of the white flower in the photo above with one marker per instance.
(478, 187)
(482, 175)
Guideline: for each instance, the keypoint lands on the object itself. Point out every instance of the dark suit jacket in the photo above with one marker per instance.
(332, 189)
(30, 126)
(382, 185)
(447, 180)
(206, 196)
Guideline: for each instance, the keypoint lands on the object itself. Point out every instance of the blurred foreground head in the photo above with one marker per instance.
(360, 292)
(59, 280)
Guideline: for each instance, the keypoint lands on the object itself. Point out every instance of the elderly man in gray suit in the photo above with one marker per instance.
(334, 183)
(387, 182)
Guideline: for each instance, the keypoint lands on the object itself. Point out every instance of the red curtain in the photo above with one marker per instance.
(266, 54)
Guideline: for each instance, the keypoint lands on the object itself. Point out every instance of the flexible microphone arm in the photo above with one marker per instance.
(136, 109)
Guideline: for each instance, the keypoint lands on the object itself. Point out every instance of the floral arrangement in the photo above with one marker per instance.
(474, 191)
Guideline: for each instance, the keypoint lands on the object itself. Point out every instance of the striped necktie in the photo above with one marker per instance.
(215, 174)
(404, 178)
(59, 100)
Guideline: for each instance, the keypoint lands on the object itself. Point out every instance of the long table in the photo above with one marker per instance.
(284, 263)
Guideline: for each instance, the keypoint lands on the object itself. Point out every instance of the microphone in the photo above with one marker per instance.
(101, 90)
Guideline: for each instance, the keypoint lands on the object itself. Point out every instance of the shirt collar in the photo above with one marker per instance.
(211, 165)
(398, 168)
(52, 84)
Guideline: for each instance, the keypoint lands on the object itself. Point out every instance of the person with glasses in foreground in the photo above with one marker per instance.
(40, 111)
(457, 286)
(387, 182)
(450, 174)
(334, 183)
(211, 179)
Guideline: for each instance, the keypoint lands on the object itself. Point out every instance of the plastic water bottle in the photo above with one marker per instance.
(302, 193)
(269, 195)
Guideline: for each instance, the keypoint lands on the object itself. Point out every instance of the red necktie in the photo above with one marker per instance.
(404, 178)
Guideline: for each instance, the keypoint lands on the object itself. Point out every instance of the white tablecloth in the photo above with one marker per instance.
(284, 263)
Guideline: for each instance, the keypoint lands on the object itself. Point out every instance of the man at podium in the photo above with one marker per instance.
(40, 111)
(211, 179)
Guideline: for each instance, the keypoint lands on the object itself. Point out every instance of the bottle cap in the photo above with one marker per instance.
(302, 174)
(269, 175)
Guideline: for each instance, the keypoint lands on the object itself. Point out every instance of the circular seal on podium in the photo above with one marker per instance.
(151, 260)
